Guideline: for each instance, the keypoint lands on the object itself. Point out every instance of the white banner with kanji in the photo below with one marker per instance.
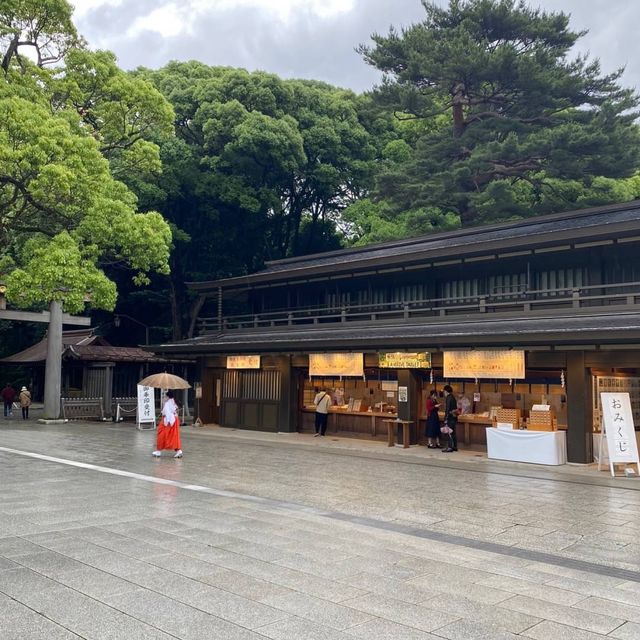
(146, 405)
(620, 432)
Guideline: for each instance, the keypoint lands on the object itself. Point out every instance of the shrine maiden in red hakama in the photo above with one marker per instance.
(169, 428)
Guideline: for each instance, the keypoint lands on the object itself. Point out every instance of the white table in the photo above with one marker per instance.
(538, 447)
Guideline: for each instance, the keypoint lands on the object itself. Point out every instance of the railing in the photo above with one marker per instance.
(82, 409)
(617, 294)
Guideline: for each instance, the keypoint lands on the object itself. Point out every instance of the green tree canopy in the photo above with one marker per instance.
(261, 168)
(63, 216)
(518, 127)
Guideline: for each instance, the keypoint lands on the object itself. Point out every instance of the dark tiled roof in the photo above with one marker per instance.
(38, 351)
(83, 345)
(546, 230)
(578, 329)
(93, 353)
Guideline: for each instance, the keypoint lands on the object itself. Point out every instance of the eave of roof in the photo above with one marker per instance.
(593, 328)
(543, 231)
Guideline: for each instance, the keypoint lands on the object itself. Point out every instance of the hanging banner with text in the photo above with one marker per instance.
(146, 406)
(336, 364)
(617, 419)
(243, 362)
(484, 364)
(404, 360)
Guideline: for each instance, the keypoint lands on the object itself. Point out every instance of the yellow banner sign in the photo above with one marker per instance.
(243, 362)
(336, 364)
(484, 364)
(404, 360)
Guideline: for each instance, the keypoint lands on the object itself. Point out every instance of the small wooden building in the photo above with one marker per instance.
(93, 368)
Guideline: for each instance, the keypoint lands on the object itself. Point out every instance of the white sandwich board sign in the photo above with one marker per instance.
(619, 430)
(146, 407)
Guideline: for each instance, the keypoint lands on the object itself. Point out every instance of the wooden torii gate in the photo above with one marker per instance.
(53, 367)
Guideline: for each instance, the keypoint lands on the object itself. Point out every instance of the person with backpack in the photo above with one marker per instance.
(322, 402)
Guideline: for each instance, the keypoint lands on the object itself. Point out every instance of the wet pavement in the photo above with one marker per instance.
(291, 537)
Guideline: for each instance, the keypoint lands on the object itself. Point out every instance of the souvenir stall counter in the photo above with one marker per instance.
(539, 443)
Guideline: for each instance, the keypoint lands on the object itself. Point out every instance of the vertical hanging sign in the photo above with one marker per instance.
(618, 427)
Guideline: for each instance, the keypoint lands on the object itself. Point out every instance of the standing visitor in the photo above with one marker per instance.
(322, 402)
(433, 421)
(25, 402)
(450, 418)
(169, 428)
(8, 396)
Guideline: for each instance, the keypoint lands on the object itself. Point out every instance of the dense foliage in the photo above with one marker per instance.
(261, 168)
(512, 126)
(63, 215)
(193, 172)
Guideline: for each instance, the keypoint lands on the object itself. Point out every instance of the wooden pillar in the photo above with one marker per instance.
(107, 389)
(53, 367)
(288, 409)
(579, 408)
(409, 410)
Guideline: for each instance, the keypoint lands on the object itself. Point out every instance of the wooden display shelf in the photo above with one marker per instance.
(508, 416)
(542, 421)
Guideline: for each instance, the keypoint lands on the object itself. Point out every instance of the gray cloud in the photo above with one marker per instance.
(308, 46)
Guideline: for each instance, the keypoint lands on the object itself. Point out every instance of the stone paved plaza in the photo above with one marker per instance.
(254, 536)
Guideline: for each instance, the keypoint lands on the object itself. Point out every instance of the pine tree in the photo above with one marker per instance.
(520, 127)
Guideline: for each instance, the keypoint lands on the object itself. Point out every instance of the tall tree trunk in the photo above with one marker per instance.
(467, 214)
(195, 312)
(458, 101)
(176, 320)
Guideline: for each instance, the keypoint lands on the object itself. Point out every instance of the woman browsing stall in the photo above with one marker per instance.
(433, 421)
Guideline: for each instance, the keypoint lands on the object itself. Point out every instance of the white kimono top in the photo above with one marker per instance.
(169, 412)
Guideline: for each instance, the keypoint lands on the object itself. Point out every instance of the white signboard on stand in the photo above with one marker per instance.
(146, 407)
(619, 430)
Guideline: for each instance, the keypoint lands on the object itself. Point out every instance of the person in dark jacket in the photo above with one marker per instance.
(8, 396)
(450, 417)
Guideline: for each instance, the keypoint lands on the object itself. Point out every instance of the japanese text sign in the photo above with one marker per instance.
(403, 360)
(619, 429)
(243, 362)
(146, 406)
(336, 364)
(484, 364)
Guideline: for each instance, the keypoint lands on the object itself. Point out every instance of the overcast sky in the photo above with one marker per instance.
(311, 38)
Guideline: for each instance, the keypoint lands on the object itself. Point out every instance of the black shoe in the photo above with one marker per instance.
(454, 449)
(447, 450)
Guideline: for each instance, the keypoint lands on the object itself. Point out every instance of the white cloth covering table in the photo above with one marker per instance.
(537, 447)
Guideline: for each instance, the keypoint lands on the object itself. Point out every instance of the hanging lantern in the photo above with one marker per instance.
(431, 377)
(562, 379)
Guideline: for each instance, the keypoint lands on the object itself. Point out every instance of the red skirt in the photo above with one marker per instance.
(168, 436)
